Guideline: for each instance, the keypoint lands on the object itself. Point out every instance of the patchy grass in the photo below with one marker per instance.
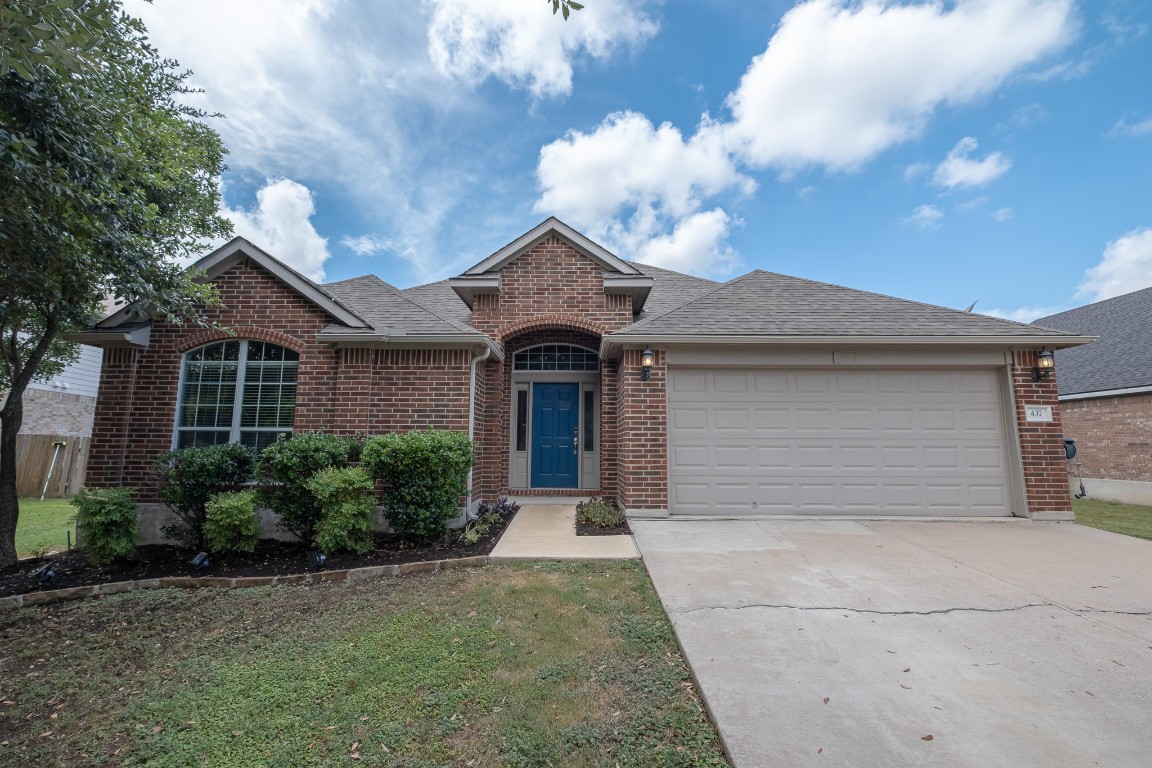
(1129, 519)
(43, 526)
(525, 665)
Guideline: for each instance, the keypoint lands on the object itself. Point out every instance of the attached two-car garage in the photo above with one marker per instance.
(748, 441)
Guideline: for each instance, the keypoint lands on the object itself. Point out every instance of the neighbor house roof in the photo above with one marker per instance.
(1120, 358)
(764, 306)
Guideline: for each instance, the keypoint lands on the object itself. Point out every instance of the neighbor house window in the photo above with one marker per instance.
(236, 392)
(556, 357)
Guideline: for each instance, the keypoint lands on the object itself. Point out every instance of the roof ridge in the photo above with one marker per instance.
(400, 294)
(678, 307)
(1130, 296)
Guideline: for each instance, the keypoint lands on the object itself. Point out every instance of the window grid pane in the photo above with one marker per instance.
(556, 357)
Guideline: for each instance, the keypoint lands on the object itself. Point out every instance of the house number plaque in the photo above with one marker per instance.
(1038, 412)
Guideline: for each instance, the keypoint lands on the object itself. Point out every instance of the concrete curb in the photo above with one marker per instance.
(349, 575)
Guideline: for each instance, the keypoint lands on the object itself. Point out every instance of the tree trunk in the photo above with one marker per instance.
(11, 417)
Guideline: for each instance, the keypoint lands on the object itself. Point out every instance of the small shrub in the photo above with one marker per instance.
(424, 475)
(106, 517)
(288, 465)
(478, 527)
(599, 513)
(345, 498)
(188, 478)
(503, 506)
(230, 524)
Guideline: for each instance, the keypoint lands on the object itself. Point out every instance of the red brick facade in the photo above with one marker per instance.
(1041, 443)
(642, 426)
(1113, 436)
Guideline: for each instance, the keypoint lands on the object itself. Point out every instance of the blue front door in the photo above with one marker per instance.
(555, 417)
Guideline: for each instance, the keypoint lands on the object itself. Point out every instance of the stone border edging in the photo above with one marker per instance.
(351, 575)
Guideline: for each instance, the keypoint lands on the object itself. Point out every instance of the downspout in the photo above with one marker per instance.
(472, 414)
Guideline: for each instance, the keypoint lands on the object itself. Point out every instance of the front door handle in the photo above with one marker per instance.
(576, 442)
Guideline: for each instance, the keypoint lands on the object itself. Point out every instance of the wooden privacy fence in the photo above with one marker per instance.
(34, 457)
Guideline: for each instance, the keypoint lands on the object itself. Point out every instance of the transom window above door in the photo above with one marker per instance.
(556, 357)
(236, 392)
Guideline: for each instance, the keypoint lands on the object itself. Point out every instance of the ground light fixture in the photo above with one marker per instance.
(45, 574)
(201, 561)
(1045, 364)
(317, 560)
(647, 360)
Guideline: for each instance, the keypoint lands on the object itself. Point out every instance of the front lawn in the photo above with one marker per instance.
(518, 665)
(1129, 519)
(43, 526)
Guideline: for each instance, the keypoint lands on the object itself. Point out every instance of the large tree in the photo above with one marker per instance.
(107, 180)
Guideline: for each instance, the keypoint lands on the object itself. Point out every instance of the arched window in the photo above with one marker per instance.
(236, 392)
(556, 357)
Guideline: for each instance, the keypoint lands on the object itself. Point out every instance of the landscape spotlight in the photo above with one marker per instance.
(201, 561)
(316, 560)
(45, 573)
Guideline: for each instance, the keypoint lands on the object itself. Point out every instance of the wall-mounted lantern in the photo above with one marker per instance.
(1045, 364)
(647, 360)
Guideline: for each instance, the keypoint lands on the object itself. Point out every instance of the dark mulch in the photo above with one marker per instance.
(583, 529)
(271, 558)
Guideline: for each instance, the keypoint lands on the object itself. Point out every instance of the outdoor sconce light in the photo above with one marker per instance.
(1045, 363)
(45, 574)
(316, 560)
(647, 360)
(201, 561)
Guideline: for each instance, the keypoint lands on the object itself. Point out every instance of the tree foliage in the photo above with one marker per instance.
(107, 180)
(60, 34)
(565, 7)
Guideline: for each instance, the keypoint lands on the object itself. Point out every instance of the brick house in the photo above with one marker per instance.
(1105, 392)
(579, 373)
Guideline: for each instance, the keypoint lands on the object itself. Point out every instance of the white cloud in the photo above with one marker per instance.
(960, 170)
(916, 170)
(1125, 128)
(925, 217)
(841, 81)
(1004, 214)
(526, 47)
(281, 224)
(1023, 314)
(695, 245)
(1125, 267)
(368, 245)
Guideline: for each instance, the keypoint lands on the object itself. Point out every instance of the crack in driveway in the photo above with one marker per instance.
(864, 610)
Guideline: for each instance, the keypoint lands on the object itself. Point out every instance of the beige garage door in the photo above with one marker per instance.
(884, 442)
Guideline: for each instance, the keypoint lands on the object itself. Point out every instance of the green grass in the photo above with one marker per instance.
(1129, 519)
(546, 665)
(43, 526)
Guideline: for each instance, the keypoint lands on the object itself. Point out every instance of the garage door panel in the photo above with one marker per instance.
(820, 442)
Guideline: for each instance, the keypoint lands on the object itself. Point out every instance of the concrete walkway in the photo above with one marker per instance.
(865, 643)
(548, 532)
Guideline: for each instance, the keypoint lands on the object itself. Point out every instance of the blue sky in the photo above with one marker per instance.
(948, 152)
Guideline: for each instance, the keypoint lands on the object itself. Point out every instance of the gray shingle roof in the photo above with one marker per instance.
(1121, 358)
(386, 307)
(670, 289)
(768, 304)
(441, 299)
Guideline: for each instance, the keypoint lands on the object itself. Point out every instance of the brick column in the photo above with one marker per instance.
(642, 436)
(1041, 443)
(113, 420)
(353, 394)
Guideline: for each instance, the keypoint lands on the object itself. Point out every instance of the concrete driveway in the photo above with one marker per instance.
(850, 643)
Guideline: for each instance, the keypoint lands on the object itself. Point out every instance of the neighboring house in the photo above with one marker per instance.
(1106, 395)
(579, 373)
(60, 410)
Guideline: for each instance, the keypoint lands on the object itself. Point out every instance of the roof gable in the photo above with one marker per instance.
(547, 228)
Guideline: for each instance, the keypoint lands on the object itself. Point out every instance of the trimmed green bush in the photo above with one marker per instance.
(188, 478)
(424, 475)
(599, 513)
(346, 500)
(106, 519)
(287, 465)
(230, 524)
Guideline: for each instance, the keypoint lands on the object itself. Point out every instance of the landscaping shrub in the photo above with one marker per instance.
(488, 514)
(599, 514)
(230, 524)
(346, 500)
(106, 518)
(424, 475)
(287, 465)
(188, 478)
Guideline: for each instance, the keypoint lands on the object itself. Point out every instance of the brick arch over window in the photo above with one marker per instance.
(238, 333)
(554, 322)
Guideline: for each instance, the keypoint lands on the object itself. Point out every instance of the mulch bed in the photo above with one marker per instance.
(271, 558)
(583, 529)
